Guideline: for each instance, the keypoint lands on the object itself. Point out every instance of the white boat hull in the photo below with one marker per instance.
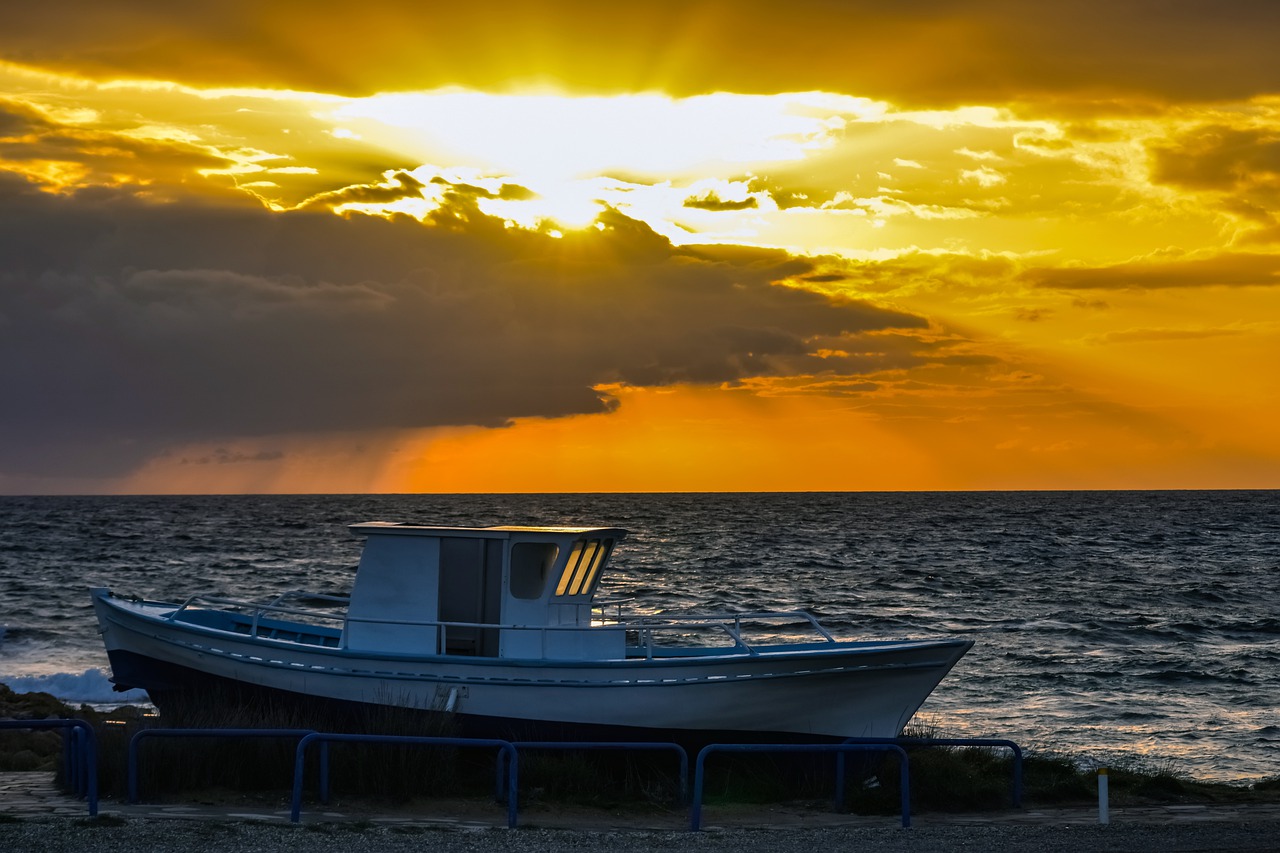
(813, 691)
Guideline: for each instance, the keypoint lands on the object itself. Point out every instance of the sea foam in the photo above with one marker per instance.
(91, 687)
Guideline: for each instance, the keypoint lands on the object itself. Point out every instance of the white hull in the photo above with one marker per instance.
(828, 690)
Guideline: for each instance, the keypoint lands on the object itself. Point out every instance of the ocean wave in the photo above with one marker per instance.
(1095, 614)
(91, 687)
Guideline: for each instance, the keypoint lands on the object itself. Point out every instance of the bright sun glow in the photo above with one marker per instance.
(575, 155)
(556, 137)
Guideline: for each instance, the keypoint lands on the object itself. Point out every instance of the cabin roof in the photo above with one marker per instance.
(498, 532)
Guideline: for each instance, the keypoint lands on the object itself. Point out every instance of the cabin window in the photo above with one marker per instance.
(583, 566)
(570, 566)
(589, 555)
(601, 557)
(530, 564)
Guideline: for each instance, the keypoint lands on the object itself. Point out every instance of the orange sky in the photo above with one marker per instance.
(693, 246)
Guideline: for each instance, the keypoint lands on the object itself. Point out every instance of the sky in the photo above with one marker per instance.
(696, 246)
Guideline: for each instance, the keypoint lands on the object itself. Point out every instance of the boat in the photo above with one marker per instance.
(500, 629)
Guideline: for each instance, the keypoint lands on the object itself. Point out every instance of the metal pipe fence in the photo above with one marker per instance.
(505, 749)
(79, 755)
(135, 744)
(913, 742)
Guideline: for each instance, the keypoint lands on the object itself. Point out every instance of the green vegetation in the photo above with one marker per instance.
(30, 750)
(943, 779)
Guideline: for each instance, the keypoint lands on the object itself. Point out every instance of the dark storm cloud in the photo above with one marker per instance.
(928, 51)
(711, 201)
(222, 456)
(127, 328)
(1226, 270)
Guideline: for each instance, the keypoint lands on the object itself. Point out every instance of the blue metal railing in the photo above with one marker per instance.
(146, 734)
(79, 755)
(506, 752)
(904, 782)
(932, 742)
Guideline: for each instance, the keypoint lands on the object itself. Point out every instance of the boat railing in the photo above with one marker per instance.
(277, 605)
(731, 624)
(647, 629)
(609, 611)
(442, 628)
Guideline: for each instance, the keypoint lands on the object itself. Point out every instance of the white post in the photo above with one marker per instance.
(1103, 812)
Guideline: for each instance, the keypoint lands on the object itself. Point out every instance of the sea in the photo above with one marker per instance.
(1124, 628)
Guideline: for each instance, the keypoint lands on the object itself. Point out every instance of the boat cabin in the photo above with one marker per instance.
(504, 592)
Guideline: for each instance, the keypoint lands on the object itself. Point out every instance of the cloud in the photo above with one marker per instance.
(223, 456)
(931, 51)
(1238, 165)
(1239, 269)
(132, 327)
(983, 177)
(1219, 158)
(712, 201)
(1131, 336)
(915, 271)
(397, 184)
(37, 144)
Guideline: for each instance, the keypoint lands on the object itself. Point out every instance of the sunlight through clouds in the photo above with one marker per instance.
(955, 241)
(557, 137)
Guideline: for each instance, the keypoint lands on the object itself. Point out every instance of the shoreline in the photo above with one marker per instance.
(37, 818)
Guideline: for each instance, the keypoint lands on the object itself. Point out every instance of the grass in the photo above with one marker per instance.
(943, 779)
(256, 766)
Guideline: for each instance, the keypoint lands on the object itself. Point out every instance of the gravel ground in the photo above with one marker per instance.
(79, 835)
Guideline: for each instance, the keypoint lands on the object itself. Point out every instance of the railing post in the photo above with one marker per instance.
(1016, 784)
(71, 758)
(695, 807)
(90, 767)
(1104, 806)
(299, 770)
